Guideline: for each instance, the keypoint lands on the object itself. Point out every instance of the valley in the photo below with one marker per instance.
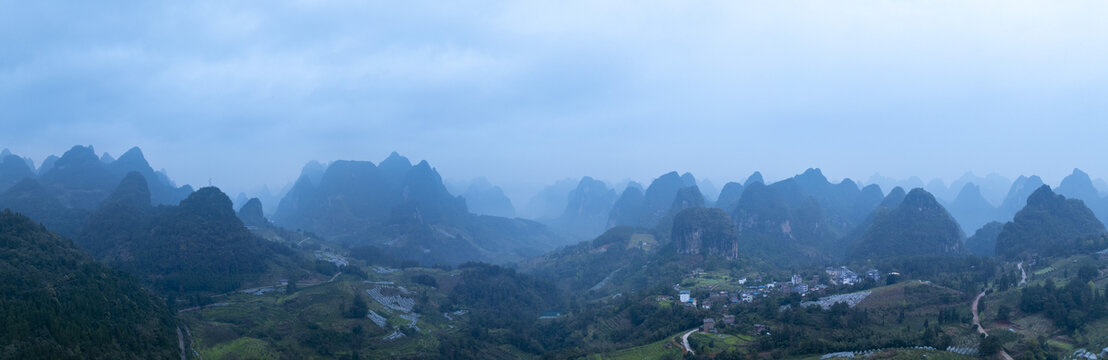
(381, 261)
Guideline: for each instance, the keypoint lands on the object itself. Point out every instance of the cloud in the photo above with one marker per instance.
(612, 89)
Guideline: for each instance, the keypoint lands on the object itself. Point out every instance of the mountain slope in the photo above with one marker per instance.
(1079, 186)
(198, 246)
(57, 302)
(1017, 196)
(1050, 225)
(13, 169)
(707, 231)
(406, 210)
(918, 226)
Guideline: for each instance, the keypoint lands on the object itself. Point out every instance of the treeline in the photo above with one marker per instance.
(1070, 306)
(968, 274)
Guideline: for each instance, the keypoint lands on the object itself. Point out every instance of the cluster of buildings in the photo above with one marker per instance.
(709, 325)
(844, 276)
(749, 292)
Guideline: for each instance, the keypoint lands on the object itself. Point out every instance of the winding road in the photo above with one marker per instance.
(685, 341)
(981, 329)
(1023, 274)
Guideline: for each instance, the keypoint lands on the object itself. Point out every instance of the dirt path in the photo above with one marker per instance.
(181, 343)
(1023, 274)
(685, 341)
(981, 329)
(976, 319)
(202, 307)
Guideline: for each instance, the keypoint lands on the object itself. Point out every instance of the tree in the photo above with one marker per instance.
(990, 345)
(358, 308)
(1002, 312)
(1087, 273)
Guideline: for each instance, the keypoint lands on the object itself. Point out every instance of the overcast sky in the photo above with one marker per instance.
(528, 92)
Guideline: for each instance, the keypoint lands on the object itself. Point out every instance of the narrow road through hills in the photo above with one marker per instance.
(981, 329)
(1023, 274)
(685, 341)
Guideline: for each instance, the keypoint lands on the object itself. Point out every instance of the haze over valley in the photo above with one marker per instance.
(792, 180)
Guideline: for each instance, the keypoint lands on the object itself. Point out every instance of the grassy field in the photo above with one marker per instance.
(906, 354)
(241, 348)
(653, 351)
(310, 323)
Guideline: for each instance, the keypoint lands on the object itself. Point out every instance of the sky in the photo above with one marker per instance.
(242, 94)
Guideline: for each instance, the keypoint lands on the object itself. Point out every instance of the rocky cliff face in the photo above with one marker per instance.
(707, 231)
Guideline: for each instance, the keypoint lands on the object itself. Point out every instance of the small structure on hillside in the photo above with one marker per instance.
(684, 297)
(873, 274)
(709, 326)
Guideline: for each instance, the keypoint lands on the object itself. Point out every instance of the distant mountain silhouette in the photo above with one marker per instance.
(628, 208)
(353, 193)
(1101, 186)
(729, 197)
(687, 179)
(406, 210)
(586, 214)
(1079, 186)
(918, 226)
(1051, 225)
(550, 202)
(709, 189)
(868, 199)
(983, 242)
(32, 199)
(971, 209)
(893, 199)
(1017, 196)
(756, 177)
(75, 185)
(658, 198)
(47, 164)
(79, 179)
(485, 199)
(686, 198)
(251, 213)
(13, 170)
(58, 303)
(943, 193)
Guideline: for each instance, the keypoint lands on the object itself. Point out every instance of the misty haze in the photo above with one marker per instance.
(554, 180)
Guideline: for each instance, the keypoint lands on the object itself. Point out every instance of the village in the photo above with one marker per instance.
(719, 291)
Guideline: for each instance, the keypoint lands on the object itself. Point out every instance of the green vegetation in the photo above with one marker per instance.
(657, 350)
(918, 226)
(57, 303)
(1051, 225)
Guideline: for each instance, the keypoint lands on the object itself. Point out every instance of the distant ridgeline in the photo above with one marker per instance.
(65, 190)
(124, 213)
(57, 303)
(808, 219)
(199, 245)
(406, 210)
